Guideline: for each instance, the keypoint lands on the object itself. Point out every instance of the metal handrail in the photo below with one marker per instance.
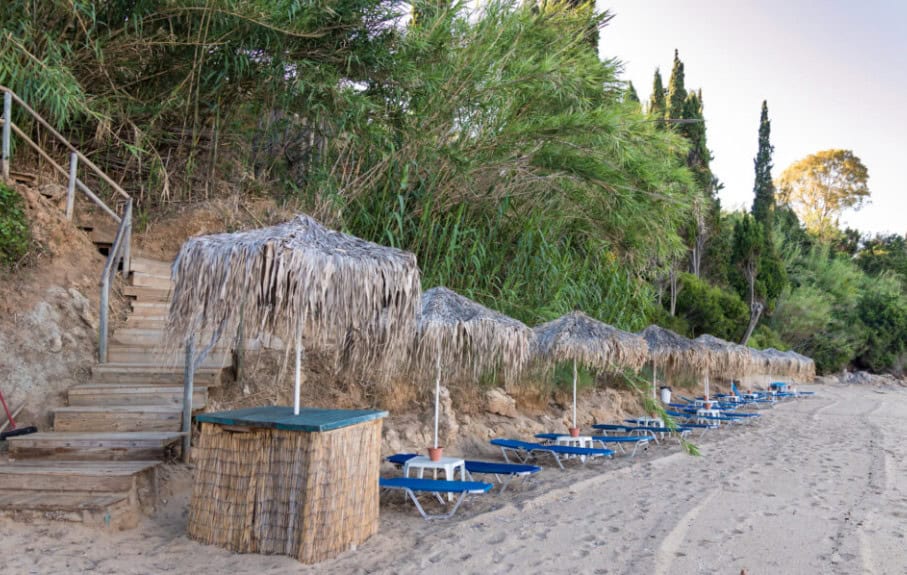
(65, 142)
(121, 249)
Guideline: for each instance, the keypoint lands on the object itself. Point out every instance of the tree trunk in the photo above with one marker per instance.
(699, 243)
(755, 312)
(673, 290)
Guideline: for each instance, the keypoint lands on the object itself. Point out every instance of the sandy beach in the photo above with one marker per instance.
(817, 485)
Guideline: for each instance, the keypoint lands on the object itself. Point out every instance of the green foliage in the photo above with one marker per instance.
(709, 309)
(821, 186)
(764, 188)
(882, 308)
(677, 92)
(818, 316)
(764, 337)
(657, 99)
(15, 235)
(527, 183)
(884, 253)
(746, 254)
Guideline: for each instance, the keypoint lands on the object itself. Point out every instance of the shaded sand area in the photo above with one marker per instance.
(817, 486)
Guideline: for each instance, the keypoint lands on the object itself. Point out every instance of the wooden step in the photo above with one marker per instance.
(150, 266)
(80, 476)
(151, 338)
(152, 281)
(151, 374)
(66, 502)
(94, 445)
(148, 295)
(118, 394)
(119, 353)
(100, 510)
(118, 418)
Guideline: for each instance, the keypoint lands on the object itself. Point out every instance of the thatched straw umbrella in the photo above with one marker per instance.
(780, 363)
(674, 352)
(803, 366)
(299, 280)
(460, 335)
(730, 359)
(589, 342)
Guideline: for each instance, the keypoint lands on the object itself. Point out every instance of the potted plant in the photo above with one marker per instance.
(435, 453)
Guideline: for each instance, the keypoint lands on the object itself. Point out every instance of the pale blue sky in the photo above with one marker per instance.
(833, 72)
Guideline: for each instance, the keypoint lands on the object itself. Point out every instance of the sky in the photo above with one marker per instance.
(833, 73)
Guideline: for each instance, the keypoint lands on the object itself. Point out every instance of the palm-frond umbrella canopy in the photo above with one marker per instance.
(673, 352)
(729, 359)
(780, 363)
(300, 279)
(465, 337)
(588, 342)
(807, 366)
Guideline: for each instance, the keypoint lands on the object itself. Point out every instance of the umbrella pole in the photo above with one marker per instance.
(437, 396)
(574, 393)
(706, 386)
(654, 381)
(297, 389)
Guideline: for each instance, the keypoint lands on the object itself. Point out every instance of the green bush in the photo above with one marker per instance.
(883, 310)
(14, 231)
(710, 309)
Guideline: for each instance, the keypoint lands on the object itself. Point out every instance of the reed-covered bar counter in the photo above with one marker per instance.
(268, 481)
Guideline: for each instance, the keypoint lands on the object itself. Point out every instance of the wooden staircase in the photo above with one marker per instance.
(100, 461)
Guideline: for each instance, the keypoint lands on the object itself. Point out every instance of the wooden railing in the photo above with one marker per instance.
(119, 257)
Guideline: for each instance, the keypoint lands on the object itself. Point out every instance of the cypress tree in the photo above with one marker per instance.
(657, 101)
(631, 95)
(677, 92)
(763, 188)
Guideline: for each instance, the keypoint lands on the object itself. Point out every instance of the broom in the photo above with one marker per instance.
(13, 429)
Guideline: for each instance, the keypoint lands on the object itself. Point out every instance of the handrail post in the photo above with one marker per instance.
(188, 385)
(103, 318)
(127, 238)
(7, 123)
(71, 186)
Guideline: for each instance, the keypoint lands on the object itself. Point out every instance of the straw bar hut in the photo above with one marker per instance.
(300, 482)
(589, 342)
(464, 338)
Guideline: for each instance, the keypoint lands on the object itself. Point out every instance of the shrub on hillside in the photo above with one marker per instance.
(14, 230)
(710, 309)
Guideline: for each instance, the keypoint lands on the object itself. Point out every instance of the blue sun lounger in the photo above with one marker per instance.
(504, 473)
(644, 431)
(525, 450)
(412, 486)
(637, 441)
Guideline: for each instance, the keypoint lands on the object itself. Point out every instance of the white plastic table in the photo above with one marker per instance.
(648, 421)
(703, 413)
(449, 465)
(579, 441)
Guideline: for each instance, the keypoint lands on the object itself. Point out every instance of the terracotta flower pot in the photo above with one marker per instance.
(435, 453)
(574, 431)
(708, 405)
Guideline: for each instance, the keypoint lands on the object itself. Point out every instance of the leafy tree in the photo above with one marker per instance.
(821, 186)
(882, 308)
(884, 253)
(657, 100)
(764, 188)
(709, 309)
(749, 242)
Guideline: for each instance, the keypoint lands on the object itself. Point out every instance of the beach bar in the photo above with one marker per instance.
(268, 481)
